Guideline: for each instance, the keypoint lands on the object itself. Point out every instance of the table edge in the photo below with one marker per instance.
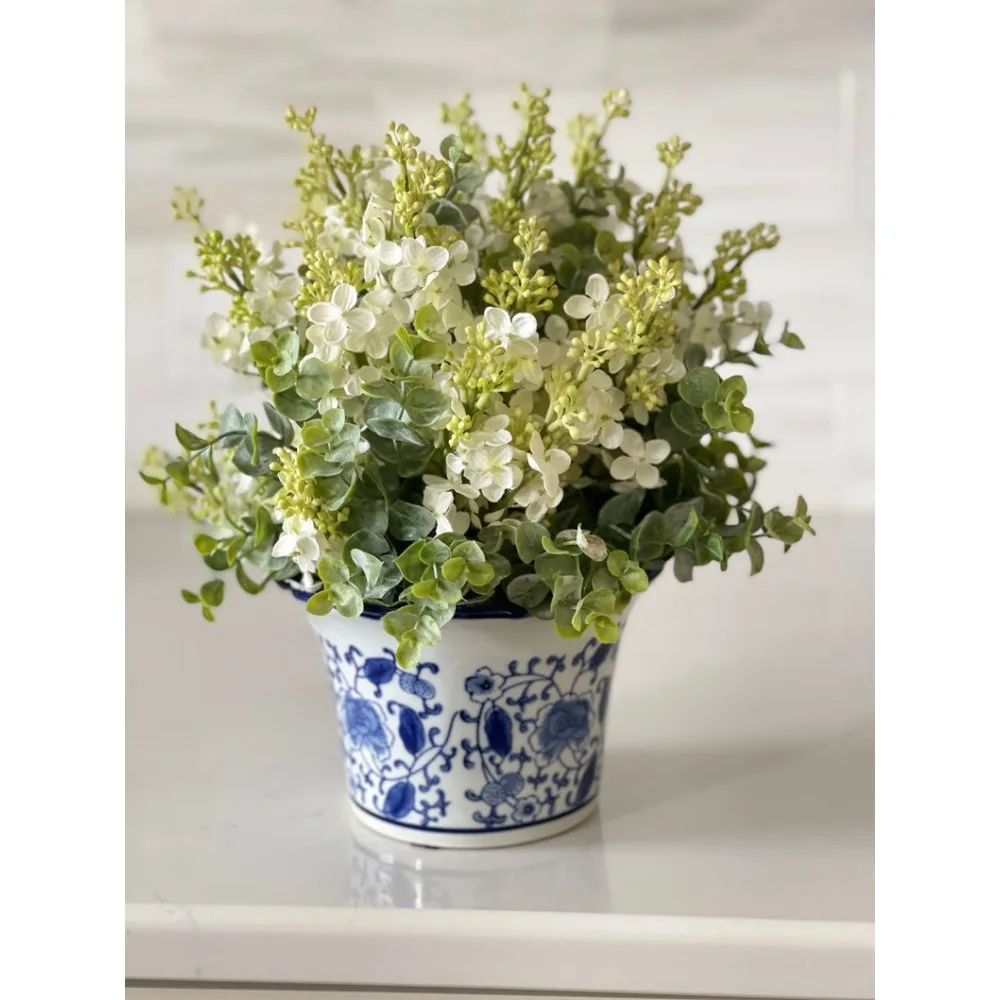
(500, 950)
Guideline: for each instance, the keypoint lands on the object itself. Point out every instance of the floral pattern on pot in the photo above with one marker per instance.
(521, 745)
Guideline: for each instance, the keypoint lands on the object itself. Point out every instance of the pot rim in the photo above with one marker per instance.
(493, 610)
(377, 612)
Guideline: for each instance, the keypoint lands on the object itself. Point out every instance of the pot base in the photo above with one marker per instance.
(478, 839)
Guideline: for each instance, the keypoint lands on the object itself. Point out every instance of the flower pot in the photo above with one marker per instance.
(495, 739)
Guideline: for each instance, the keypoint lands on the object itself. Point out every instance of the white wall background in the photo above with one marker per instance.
(775, 95)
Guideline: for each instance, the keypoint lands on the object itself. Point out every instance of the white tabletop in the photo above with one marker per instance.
(731, 855)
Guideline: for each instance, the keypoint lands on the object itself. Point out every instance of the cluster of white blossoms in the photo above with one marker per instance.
(473, 364)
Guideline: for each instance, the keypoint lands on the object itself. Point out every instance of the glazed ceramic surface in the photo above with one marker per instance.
(496, 738)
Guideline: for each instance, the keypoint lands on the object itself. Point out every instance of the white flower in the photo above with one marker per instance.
(552, 349)
(335, 321)
(671, 367)
(421, 265)
(602, 410)
(550, 464)
(532, 497)
(441, 503)
(299, 540)
(462, 268)
(519, 329)
(518, 335)
(377, 251)
(273, 298)
(492, 471)
(598, 307)
(223, 338)
(597, 292)
(640, 460)
(337, 236)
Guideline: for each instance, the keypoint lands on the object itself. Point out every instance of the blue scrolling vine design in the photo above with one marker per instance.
(521, 744)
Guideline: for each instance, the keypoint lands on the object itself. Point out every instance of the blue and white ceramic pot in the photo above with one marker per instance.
(495, 739)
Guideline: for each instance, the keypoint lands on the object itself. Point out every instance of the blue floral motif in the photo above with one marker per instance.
(526, 810)
(565, 725)
(483, 685)
(363, 723)
(523, 746)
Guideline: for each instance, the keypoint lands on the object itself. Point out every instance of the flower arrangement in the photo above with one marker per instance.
(484, 385)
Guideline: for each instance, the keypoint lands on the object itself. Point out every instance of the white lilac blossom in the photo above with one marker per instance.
(421, 265)
(299, 541)
(273, 297)
(471, 363)
(639, 460)
(335, 321)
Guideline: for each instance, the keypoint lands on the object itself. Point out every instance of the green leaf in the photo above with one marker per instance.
(206, 613)
(548, 567)
(453, 150)
(408, 521)
(425, 406)
(606, 630)
(622, 508)
(792, 340)
(650, 538)
(760, 346)
(694, 356)
(742, 418)
(189, 440)
(152, 480)
(716, 416)
(683, 566)
(434, 552)
(286, 343)
(783, 528)
(563, 615)
(410, 563)
(686, 419)
(680, 523)
(216, 561)
(397, 623)
(454, 569)
(468, 550)
(527, 591)
(234, 547)
(370, 566)
(246, 582)
(735, 383)
(756, 554)
(264, 353)
(447, 213)
(347, 600)
(714, 546)
(480, 574)
(231, 421)
(395, 430)
(607, 247)
(491, 539)
(311, 464)
(698, 386)
(314, 381)
(469, 178)
(617, 562)
(279, 383)
(321, 603)
(635, 580)
(279, 424)
(529, 540)
(206, 544)
(292, 405)
(212, 593)
(190, 597)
